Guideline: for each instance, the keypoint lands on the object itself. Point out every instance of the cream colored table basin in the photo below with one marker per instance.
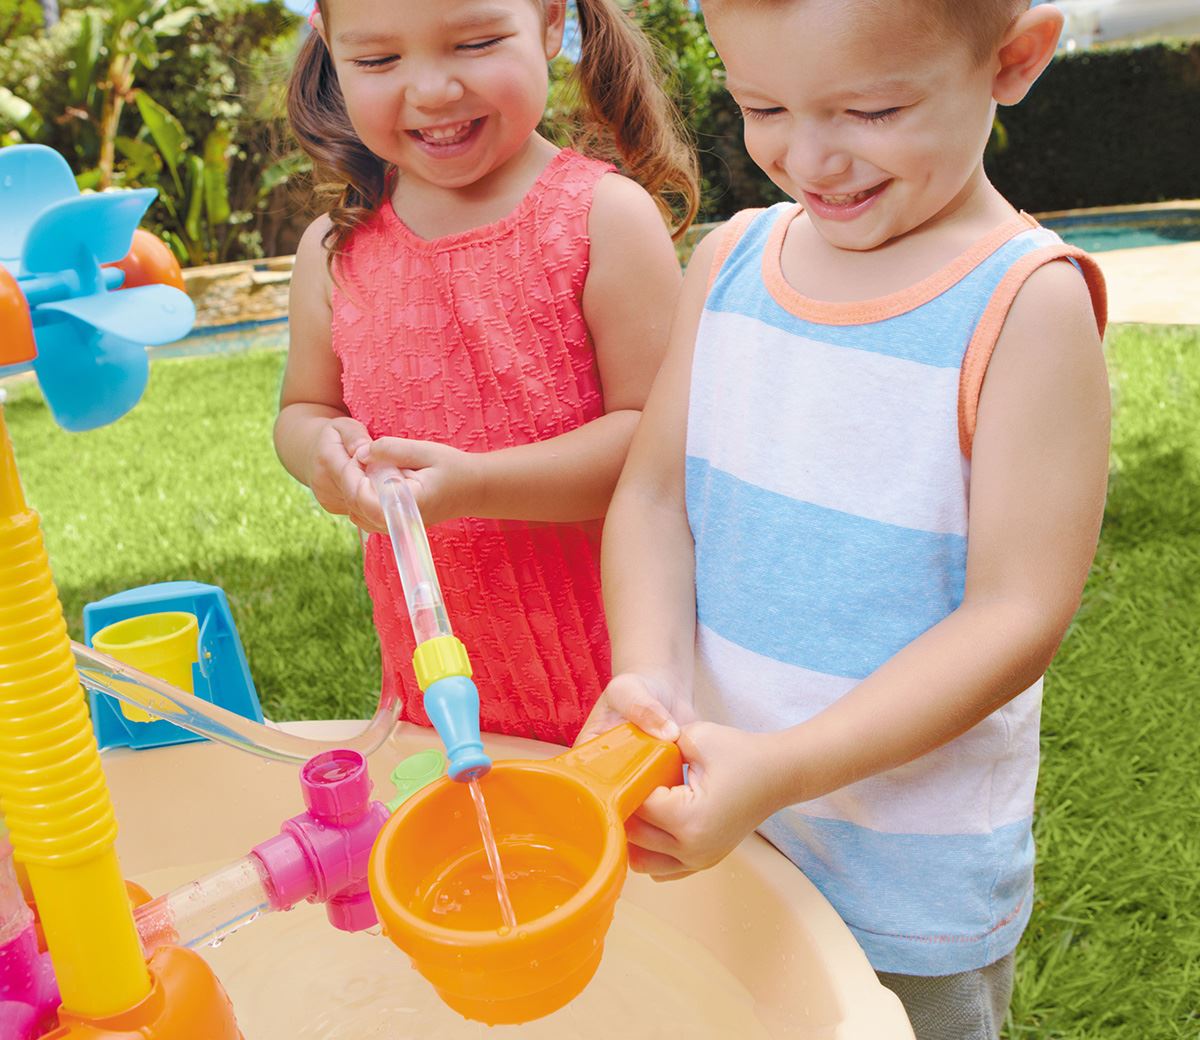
(748, 949)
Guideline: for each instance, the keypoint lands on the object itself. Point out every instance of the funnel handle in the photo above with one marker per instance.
(624, 765)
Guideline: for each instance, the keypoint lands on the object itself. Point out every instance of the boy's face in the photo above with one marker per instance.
(874, 126)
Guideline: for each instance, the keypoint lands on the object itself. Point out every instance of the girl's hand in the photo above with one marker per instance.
(733, 784)
(446, 483)
(337, 480)
(653, 704)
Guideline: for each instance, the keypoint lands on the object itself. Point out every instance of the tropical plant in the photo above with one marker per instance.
(182, 97)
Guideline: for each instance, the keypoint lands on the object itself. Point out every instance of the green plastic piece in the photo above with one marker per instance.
(415, 772)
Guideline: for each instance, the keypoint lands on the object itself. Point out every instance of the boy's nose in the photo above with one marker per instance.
(815, 162)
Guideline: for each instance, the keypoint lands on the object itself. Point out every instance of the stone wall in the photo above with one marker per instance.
(248, 291)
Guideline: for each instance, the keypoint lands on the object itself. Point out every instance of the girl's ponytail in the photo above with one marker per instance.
(627, 115)
(323, 129)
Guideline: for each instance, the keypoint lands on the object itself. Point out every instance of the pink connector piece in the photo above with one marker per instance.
(28, 993)
(321, 855)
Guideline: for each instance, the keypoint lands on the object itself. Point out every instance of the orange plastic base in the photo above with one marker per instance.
(16, 328)
(149, 262)
(186, 1003)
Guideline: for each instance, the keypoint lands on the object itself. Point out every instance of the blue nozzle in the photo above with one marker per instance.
(452, 705)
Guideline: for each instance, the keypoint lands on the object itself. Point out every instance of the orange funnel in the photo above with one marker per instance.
(559, 825)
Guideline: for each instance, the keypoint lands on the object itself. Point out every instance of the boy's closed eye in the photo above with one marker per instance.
(877, 116)
(749, 112)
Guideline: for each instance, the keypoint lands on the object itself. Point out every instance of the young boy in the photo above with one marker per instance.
(865, 493)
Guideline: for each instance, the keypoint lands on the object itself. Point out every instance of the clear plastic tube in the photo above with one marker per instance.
(15, 915)
(414, 561)
(204, 911)
(107, 675)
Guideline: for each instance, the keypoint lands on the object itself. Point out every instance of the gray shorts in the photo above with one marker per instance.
(968, 1006)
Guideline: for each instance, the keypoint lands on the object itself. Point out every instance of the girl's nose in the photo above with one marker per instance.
(432, 86)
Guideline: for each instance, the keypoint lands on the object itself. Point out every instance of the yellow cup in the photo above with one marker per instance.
(164, 645)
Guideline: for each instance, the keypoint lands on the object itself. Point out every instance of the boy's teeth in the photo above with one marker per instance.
(845, 200)
(443, 134)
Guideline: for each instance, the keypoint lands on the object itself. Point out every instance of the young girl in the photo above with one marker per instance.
(486, 311)
(862, 502)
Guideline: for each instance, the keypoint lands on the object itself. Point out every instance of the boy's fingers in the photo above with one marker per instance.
(632, 701)
(665, 809)
(656, 864)
(647, 836)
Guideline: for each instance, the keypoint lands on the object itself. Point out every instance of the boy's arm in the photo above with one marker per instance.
(315, 438)
(648, 553)
(632, 285)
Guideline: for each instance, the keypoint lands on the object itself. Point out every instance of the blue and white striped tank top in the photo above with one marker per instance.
(828, 468)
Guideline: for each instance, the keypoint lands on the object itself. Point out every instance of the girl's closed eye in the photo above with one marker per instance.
(374, 63)
(481, 45)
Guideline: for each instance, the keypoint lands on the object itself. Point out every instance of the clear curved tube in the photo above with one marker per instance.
(204, 911)
(15, 916)
(107, 675)
(414, 561)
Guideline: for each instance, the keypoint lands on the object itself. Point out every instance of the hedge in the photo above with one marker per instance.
(1105, 127)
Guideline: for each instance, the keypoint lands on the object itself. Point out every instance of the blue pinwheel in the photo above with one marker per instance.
(58, 248)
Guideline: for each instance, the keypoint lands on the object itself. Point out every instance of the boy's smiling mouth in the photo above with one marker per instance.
(844, 205)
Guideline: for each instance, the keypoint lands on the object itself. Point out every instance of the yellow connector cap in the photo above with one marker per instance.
(440, 658)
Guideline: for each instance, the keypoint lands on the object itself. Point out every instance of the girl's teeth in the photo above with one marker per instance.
(445, 134)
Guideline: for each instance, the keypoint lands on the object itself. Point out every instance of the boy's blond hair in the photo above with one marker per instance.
(979, 23)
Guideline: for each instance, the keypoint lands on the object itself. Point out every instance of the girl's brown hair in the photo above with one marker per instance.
(623, 116)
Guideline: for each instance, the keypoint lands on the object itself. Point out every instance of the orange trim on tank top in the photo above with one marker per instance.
(987, 332)
(864, 312)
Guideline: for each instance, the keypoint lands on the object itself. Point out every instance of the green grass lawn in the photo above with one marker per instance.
(187, 487)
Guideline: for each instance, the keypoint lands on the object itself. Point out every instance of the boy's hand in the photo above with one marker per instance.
(337, 480)
(445, 482)
(732, 786)
(651, 703)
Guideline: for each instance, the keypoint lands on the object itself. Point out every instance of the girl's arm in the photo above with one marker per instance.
(648, 555)
(314, 436)
(1038, 477)
(632, 284)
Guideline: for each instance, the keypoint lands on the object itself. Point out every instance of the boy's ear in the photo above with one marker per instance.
(556, 23)
(1025, 51)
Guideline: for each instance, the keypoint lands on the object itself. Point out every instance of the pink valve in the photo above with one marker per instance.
(28, 993)
(321, 855)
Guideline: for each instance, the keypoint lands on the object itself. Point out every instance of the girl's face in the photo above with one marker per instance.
(875, 127)
(447, 90)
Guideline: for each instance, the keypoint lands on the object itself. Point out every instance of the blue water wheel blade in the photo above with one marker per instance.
(89, 378)
(80, 233)
(32, 177)
(149, 314)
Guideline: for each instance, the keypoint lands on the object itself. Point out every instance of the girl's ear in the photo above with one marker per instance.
(1025, 51)
(556, 23)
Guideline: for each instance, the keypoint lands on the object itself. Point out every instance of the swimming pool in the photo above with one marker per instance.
(267, 335)
(1099, 232)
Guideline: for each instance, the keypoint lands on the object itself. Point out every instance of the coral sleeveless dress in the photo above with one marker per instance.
(477, 340)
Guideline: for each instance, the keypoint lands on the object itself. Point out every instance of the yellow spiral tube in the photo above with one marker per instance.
(52, 789)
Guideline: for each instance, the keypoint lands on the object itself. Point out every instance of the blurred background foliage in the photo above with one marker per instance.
(186, 96)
